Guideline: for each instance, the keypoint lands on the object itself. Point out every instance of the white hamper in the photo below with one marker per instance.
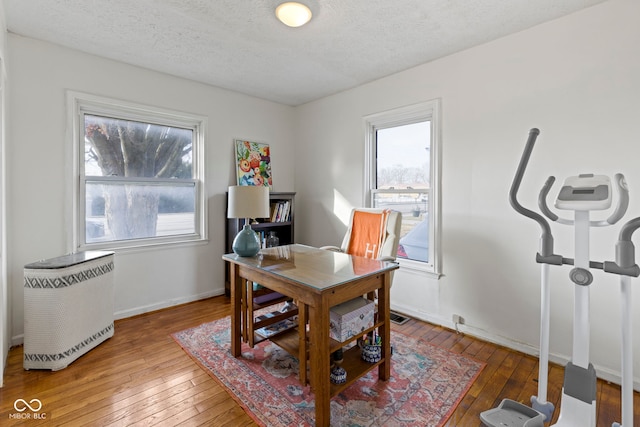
(68, 308)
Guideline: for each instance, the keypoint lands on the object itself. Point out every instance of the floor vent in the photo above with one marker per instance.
(398, 318)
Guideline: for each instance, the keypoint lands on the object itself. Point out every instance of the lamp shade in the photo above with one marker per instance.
(248, 202)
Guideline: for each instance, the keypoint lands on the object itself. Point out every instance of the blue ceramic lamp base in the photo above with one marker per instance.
(246, 242)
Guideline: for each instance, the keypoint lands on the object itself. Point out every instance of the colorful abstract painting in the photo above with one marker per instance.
(253, 163)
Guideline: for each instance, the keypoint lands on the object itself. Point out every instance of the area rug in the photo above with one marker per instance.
(426, 385)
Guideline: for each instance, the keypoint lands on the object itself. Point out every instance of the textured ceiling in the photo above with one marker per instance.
(241, 46)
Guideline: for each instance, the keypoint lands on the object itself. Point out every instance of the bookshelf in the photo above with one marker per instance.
(281, 222)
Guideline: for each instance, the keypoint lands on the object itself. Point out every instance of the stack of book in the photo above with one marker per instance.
(281, 211)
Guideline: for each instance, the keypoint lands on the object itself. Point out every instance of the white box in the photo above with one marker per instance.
(351, 318)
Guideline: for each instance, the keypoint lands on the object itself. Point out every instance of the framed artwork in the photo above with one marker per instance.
(253, 163)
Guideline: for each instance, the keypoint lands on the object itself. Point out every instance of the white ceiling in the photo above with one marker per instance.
(241, 46)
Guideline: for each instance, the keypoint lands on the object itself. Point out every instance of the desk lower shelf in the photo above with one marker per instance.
(352, 362)
(288, 341)
(355, 367)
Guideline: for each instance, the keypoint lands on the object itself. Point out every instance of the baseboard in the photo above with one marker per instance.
(17, 340)
(605, 374)
(165, 304)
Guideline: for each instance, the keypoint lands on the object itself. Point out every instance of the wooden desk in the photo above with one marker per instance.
(318, 280)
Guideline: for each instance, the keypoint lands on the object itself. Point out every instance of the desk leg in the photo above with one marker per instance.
(320, 359)
(245, 318)
(236, 319)
(303, 313)
(249, 306)
(384, 315)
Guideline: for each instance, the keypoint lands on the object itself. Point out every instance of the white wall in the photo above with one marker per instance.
(577, 79)
(39, 161)
(5, 332)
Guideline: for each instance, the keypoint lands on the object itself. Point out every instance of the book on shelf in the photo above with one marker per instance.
(281, 326)
(280, 211)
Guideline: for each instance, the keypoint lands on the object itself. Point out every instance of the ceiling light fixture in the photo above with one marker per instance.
(293, 14)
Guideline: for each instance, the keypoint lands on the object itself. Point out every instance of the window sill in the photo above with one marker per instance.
(418, 267)
(144, 246)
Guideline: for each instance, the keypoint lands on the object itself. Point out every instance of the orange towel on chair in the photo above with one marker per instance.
(367, 233)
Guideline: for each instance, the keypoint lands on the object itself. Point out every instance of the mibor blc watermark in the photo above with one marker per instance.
(27, 410)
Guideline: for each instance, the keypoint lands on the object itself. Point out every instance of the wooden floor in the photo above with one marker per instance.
(142, 377)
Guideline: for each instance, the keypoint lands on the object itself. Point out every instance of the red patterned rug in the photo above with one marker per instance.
(426, 385)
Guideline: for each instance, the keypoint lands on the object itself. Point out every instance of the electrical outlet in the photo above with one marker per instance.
(458, 320)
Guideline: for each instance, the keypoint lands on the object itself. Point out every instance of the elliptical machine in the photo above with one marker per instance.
(581, 194)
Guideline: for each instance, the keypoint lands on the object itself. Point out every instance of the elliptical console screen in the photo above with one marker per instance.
(586, 192)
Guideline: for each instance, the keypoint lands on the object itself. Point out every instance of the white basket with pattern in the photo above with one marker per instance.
(68, 308)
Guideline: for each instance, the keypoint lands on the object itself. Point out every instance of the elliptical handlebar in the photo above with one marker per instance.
(618, 213)
(546, 245)
(542, 199)
(621, 207)
(623, 201)
(628, 229)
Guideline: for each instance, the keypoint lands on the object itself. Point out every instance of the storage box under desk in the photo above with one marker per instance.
(68, 308)
(351, 318)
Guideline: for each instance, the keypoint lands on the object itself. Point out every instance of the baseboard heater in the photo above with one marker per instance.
(398, 318)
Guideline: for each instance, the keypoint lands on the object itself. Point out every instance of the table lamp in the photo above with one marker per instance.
(247, 202)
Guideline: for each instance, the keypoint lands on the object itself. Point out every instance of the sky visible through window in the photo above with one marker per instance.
(403, 156)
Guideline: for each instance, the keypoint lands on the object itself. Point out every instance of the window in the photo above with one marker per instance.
(139, 174)
(402, 173)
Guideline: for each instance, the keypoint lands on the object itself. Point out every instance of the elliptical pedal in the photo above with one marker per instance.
(512, 414)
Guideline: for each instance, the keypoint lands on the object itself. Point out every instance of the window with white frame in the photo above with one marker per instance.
(139, 174)
(403, 174)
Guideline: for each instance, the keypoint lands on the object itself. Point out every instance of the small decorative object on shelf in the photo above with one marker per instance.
(272, 240)
(371, 349)
(371, 353)
(338, 374)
